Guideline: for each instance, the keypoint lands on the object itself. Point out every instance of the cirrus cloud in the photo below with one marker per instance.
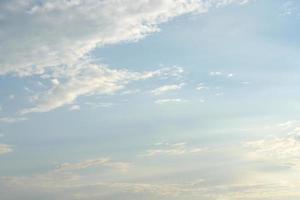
(58, 33)
(59, 36)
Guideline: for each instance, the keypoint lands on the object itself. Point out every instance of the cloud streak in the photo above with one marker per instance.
(177, 149)
(90, 79)
(92, 163)
(167, 101)
(167, 88)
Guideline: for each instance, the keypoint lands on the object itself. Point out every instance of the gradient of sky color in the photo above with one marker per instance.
(149, 99)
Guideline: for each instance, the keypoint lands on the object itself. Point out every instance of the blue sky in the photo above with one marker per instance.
(162, 99)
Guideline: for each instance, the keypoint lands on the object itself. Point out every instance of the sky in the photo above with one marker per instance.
(149, 99)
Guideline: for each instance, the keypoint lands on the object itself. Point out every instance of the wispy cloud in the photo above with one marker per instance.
(218, 73)
(289, 8)
(201, 86)
(167, 88)
(279, 150)
(12, 119)
(215, 73)
(99, 104)
(128, 92)
(177, 149)
(95, 23)
(85, 81)
(91, 24)
(92, 163)
(166, 101)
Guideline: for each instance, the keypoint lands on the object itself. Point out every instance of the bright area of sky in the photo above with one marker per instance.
(152, 100)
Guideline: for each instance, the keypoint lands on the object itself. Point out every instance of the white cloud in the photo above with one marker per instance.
(57, 33)
(92, 79)
(230, 75)
(128, 92)
(55, 39)
(218, 73)
(166, 88)
(289, 125)
(226, 2)
(4, 149)
(55, 81)
(165, 101)
(62, 32)
(201, 86)
(166, 149)
(215, 73)
(74, 107)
